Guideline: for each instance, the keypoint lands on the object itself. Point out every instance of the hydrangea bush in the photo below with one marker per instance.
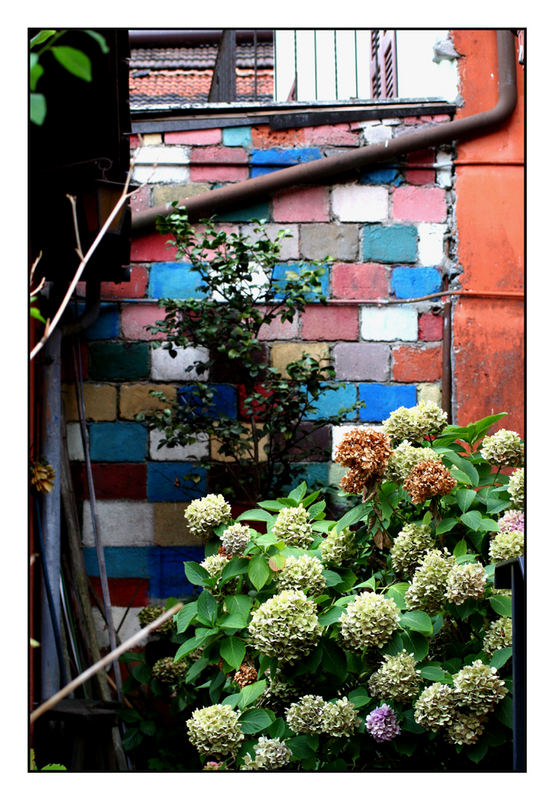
(369, 642)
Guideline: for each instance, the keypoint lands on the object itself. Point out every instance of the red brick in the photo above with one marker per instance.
(330, 135)
(419, 204)
(139, 200)
(430, 327)
(215, 173)
(325, 323)
(419, 177)
(417, 364)
(306, 204)
(278, 330)
(136, 287)
(201, 137)
(111, 481)
(359, 281)
(125, 592)
(264, 137)
(134, 318)
(152, 247)
(241, 394)
(215, 156)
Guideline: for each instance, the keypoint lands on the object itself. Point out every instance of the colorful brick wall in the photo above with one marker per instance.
(388, 233)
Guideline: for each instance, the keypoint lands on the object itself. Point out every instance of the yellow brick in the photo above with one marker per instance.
(135, 398)
(215, 455)
(429, 392)
(151, 138)
(100, 401)
(283, 353)
(170, 528)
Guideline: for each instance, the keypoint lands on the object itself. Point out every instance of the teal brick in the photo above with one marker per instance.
(389, 244)
(118, 441)
(118, 361)
(175, 279)
(316, 476)
(331, 402)
(240, 136)
(258, 211)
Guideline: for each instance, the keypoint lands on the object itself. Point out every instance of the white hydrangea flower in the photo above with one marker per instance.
(369, 621)
(215, 730)
(304, 573)
(205, 514)
(293, 526)
(285, 626)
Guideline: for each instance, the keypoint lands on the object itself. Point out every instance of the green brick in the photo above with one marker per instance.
(118, 361)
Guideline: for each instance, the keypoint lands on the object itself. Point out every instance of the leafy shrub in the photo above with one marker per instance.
(397, 659)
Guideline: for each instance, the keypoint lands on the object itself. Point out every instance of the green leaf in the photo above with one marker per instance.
(207, 608)
(331, 616)
(74, 61)
(298, 493)
(35, 71)
(233, 650)
(256, 515)
(303, 746)
(148, 727)
(489, 525)
(35, 313)
(238, 604)
(37, 108)
(482, 425)
(185, 616)
(352, 517)
(316, 509)
(310, 499)
(41, 37)
(196, 574)
(460, 549)
(394, 646)
(472, 519)
(258, 572)
(142, 673)
(504, 711)
(231, 700)
(502, 605)
(270, 505)
(237, 566)
(465, 497)
(331, 578)
(196, 669)
(417, 621)
(416, 643)
(334, 660)
(464, 465)
(359, 697)
(435, 674)
(53, 768)
(100, 39)
(397, 592)
(251, 692)
(500, 657)
(446, 525)
(477, 752)
(254, 720)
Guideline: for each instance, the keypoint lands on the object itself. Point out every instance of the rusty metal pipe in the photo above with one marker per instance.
(253, 189)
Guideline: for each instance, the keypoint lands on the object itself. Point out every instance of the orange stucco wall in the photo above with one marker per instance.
(488, 335)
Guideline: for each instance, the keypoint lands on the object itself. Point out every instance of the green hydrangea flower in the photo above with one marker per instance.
(215, 564)
(465, 581)
(428, 587)
(516, 488)
(369, 621)
(434, 708)
(409, 547)
(465, 729)
(205, 514)
(498, 636)
(307, 715)
(215, 730)
(478, 688)
(338, 549)
(150, 613)
(340, 718)
(304, 573)
(235, 539)
(510, 544)
(403, 460)
(293, 526)
(168, 671)
(285, 626)
(269, 754)
(413, 424)
(397, 679)
(504, 448)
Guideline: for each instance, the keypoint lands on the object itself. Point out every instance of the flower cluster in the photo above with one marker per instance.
(215, 730)
(307, 715)
(205, 514)
(150, 613)
(516, 488)
(428, 478)
(304, 572)
(434, 708)
(499, 635)
(465, 729)
(413, 424)
(404, 458)
(43, 476)
(465, 581)
(396, 679)
(369, 621)
(285, 626)
(340, 718)
(293, 527)
(510, 544)
(337, 549)
(269, 754)
(215, 564)
(382, 724)
(428, 586)
(366, 454)
(168, 671)
(235, 538)
(512, 521)
(504, 448)
(478, 688)
(411, 543)
(246, 675)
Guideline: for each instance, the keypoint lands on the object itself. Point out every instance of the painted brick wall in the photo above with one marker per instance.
(387, 233)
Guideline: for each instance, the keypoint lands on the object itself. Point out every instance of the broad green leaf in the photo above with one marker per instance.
(299, 493)
(405, 747)
(35, 72)
(331, 578)
(185, 616)
(258, 572)
(417, 621)
(254, 720)
(256, 515)
(233, 650)
(465, 497)
(394, 646)
(207, 608)
(238, 604)
(472, 519)
(502, 605)
(331, 616)
(250, 693)
(37, 108)
(288, 501)
(74, 61)
(369, 584)
(504, 711)
(41, 37)
(236, 566)
(435, 674)
(196, 669)
(316, 509)
(196, 574)
(500, 657)
(489, 525)
(303, 746)
(464, 465)
(446, 525)
(477, 752)
(233, 622)
(482, 425)
(142, 673)
(352, 517)
(270, 505)
(334, 660)
(397, 592)
(231, 700)
(460, 549)
(100, 39)
(359, 697)
(495, 506)
(310, 499)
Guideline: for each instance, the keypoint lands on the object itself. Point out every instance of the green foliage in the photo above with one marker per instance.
(241, 293)
(214, 635)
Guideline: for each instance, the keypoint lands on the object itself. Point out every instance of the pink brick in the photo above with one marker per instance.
(139, 201)
(135, 317)
(418, 204)
(134, 141)
(279, 330)
(359, 281)
(215, 174)
(215, 156)
(441, 118)
(207, 136)
(136, 287)
(325, 323)
(430, 327)
(419, 177)
(306, 204)
(330, 134)
(152, 247)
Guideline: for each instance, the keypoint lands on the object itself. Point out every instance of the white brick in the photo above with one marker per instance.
(75, 442)
(166, 368)
(167, 173)
(289, 246)
(257, 287)
(376, 132)
(198, 449)
(429, 392)
(354, 203)
(162, 155)
(431, 244)
(338, 433)
(444, 172)
(129, 627)
(128, 523)
(389, 324)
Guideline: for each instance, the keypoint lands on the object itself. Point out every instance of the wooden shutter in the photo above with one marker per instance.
(382, 70)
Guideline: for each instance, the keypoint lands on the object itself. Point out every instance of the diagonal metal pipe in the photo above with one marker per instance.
(245, 193)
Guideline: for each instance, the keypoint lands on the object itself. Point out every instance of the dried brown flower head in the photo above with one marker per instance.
(354, 481)
(366, 451)
(428, 479)
(42, 477)
(245, 675)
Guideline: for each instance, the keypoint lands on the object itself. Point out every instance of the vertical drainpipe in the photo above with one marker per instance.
(51, 510)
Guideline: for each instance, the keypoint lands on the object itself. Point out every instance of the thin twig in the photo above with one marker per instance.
(73, 201)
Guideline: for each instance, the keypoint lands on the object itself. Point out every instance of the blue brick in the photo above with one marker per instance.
(121, 562)
(118, 441)
(280, 278)
(415, 281)
(237, 137)
(390, 244)
(264, 161)
(174, 279)
(106, 325)
(381, 399)
(330, 402)
(167, 571)
(259, 211)
(223, 403)
(383, 175)
(161, 478)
